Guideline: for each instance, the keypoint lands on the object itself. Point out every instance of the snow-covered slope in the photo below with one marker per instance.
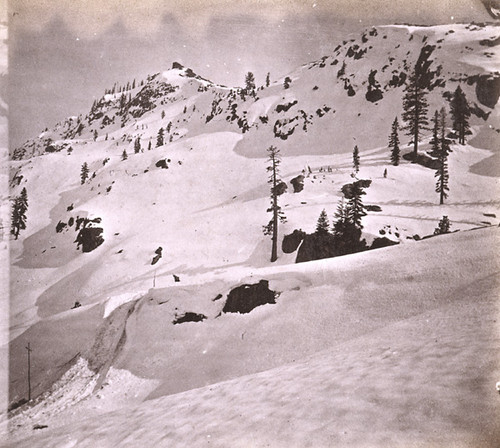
(395, 344)
(201, 196)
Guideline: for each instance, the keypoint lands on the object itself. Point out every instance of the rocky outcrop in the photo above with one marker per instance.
(422, 159)
(316, 247)
(89, 238)
(298, 183)
(189, 317)
(245, 298)
(281, 188)
(292, 241)
(488, 90)
(348, 188)
(382, 242)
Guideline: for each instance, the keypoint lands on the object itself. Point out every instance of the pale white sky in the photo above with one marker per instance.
(64, 53)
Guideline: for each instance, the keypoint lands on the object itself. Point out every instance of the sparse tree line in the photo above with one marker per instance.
(415, 114)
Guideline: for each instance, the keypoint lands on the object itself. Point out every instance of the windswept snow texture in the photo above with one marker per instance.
(391, 347)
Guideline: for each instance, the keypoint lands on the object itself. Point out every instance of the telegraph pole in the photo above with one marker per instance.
(29, 371)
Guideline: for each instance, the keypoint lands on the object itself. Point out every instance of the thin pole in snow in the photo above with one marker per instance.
(29, 371)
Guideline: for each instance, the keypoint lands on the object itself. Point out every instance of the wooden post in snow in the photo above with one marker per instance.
(29, 371)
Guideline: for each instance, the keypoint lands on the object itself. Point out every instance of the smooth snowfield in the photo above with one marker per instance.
(393, 347)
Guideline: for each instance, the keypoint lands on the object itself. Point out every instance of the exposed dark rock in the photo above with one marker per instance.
(176, 278)
(162, 164)
(347, 188)
(488, 90)
(89, 238)
(292, 241)
(217, 297)
(316, 247)
(382, 242)
(373, 208)
(374, 95)
(285, 107)
(76, 305)
(422, 159)
(158, 255)
(245, 298)
(297, 183)
(60, 226)
(38, 426)
(490, 42)
(189, 317)
(281, 187)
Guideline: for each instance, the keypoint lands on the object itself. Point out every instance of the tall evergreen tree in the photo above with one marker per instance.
(435, 140)
(394, 143)
(323, 225)
(460, 114)
(159, 138)
(149, 145)
(18, 216)
(268, 80)
(137, 145)
(95, 135)
(84, 174)
(124, 155)
(341, 219)
(277, 214)
(355, 159)
(250, 83)
(415, 106)
(347, 235)
(287, 82)
(444, 149)
(355, 205)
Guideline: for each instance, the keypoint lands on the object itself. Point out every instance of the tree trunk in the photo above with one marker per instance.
(415, 133)
(274, 250)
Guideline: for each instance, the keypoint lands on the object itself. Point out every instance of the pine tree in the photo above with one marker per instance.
(356, 207)
(124, 155)
(460, 113)
(84, 174)
(95, 135)
(415, 107)
(18, 217)
(137, 145)
(435, 135)
(162, 114)
(355, 159)
(347, 235)
(443, 226)
(341, 219)
(444, 149)
(394, 143)
(286, 82)
(323, 224)
(268, 80)
(278, 216)
(149, 145)
(250, 84)
(159, 138)
(169, 126)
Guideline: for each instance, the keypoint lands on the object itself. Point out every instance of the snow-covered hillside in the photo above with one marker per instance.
(201, 195)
